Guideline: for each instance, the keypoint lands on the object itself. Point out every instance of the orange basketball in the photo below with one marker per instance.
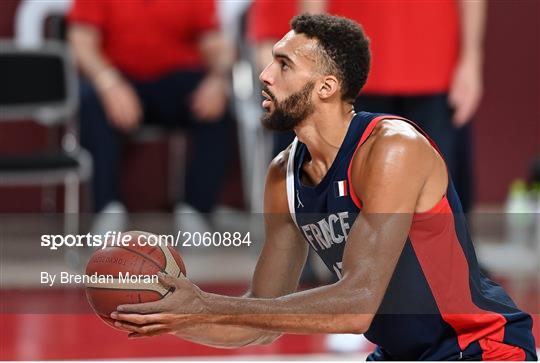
(127, 273)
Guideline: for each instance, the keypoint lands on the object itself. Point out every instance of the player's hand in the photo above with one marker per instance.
(466, 90)
(184, 308)
(210, 99)
(122, 106)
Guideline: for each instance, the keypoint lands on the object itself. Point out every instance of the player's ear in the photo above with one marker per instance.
(328, 87)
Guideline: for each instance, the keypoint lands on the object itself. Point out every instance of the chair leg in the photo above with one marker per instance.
(74, 257)
(71, 204)
(177, 145)
(48, 198)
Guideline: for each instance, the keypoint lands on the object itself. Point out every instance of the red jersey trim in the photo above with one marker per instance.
(367, 132)
(441, 256)
(441, 260)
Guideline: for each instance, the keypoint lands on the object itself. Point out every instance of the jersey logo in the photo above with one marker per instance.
(327, 232)
(298, 199)
(340, 188)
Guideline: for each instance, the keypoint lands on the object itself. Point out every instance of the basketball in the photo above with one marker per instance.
(127, 273)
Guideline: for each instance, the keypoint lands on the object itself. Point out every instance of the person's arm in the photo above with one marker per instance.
(466, 87)
(120, 101)
(373, 248)
(313, 6)
(277, 273)
(218, 53)
(211, 96)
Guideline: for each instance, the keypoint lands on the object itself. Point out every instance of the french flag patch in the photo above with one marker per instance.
(340, 188)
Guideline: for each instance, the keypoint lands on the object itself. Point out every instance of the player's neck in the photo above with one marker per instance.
(323, 133)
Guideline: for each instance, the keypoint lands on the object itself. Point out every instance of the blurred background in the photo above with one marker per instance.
(144, 115)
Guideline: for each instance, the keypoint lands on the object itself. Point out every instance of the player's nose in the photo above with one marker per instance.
(266, 76)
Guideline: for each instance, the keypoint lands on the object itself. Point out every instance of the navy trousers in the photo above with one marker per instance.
(166, 102)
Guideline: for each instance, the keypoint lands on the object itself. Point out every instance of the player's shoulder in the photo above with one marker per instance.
(277, 170)
(392, 136)
(393, 145)
(275, 200)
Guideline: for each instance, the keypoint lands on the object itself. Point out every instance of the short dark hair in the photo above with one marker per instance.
(345, 45)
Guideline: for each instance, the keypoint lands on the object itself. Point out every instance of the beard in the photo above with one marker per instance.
(291, 111)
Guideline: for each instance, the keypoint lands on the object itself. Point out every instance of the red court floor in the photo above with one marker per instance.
(55, 324)
(38, 324)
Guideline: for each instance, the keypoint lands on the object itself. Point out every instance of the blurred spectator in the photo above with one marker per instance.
(426, 66)
(159, 62)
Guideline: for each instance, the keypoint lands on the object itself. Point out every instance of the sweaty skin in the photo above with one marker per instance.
(394, 152)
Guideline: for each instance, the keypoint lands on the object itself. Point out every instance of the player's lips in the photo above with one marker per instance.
(267, 101)
(266, 95)
(266, 104)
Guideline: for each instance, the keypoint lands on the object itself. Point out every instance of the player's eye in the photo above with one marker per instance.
(284, 66)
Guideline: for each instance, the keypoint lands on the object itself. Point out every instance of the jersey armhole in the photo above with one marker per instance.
(290, 180)
(367, 132)
(365, 136)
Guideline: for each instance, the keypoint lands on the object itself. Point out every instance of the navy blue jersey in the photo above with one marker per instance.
(437, 305)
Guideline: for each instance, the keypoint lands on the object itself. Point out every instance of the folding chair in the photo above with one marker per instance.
(40, 84)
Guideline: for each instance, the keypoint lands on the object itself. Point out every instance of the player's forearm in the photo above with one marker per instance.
(226, 336)
(347, 306)
(472, 27)
(328, 309)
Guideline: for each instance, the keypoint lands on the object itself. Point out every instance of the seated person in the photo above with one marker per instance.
(162, 62)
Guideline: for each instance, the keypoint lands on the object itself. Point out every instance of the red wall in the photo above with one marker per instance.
(507, 130)
(7, 9)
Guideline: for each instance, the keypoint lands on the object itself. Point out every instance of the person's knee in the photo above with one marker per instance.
(96, 133)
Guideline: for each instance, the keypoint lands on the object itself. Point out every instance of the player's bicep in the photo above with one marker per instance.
(392, 175)
(389, 186)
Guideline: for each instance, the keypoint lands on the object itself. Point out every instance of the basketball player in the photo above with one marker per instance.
(372, 196)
